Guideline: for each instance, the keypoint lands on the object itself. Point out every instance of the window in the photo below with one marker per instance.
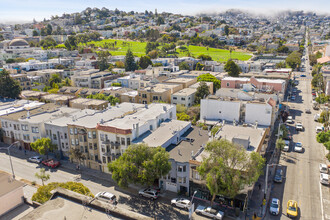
(150, 127)
(144, 96)
(89, 134)
(102, 137)
(54, 137)
(117, 139)
(173, 180)
(181, 168)
(183, 99)
(62, 145)
(122, 141)
(104, 160)
(35, 129)
(35, 138)
(14, 127)
(75, 131)
(90, 146)
(128, 140)
(155, 98)
(71, 130)
(175, 98)
(72, 142)
(227, 84)
(94, 134)
(96, 158)
(77, 141)
(86, 149)
(65, 136)
(95, 146)
(47, 132)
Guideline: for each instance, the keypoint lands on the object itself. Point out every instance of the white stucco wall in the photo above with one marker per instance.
(258, 112)
(216, 109)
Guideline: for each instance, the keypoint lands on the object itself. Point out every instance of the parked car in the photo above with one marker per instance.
(278, 175)
(208, 211)
(319, 129)
(299, 126)
(323, 168)
(35, 159)
(292, 208)
(316, 117)
(308, 111)
(302, 75)
(286, 146)
(149, 193)
(274, 208)
(324, 178)
(298, 147)
(181, 203)
(289, 120)
(106, 197)
(51, 163)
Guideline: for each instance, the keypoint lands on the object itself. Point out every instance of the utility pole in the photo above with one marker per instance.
(11, 164)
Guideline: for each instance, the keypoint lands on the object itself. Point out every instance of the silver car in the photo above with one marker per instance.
(149, 193)
(35, 159)
(208, 211)
(106, 197)
(274, 208)
(181, 203)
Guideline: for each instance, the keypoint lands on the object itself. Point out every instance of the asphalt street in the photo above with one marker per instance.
(301, 182)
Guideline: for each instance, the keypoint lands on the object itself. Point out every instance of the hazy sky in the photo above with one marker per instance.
(26, 10)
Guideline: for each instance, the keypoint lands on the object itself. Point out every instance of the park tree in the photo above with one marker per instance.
(210, 78)
(183, 66)
(9, 88)
(43, 146)
(144, 62)
(204, 57)
(202, 92)
(199, 66)
(71, 43)
(232, 68)
(42, 175)
(229, 167)
(130, 64)
(48, 42)
(226, 30)
(294, 59)
(102, 60)
(140, 164)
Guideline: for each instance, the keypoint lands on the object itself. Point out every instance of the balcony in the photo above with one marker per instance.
(106, 141)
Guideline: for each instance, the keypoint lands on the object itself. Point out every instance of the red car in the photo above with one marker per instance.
(51, 163)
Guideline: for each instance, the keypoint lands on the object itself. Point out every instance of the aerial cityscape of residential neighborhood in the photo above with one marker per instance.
(111, 114)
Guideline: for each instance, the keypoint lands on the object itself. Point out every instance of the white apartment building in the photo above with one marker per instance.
(185, 97)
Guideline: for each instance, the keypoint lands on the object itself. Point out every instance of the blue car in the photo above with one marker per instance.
(278, 176)
(302, 75)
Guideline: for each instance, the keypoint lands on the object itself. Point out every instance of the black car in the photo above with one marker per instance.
(278, 176)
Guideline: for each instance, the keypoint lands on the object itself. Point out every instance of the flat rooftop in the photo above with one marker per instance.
(57, 97)
(88, 101)
(179, 80)
(165, 132)
(141, 116)
(8, 184)
(185, 92)
(23, 112)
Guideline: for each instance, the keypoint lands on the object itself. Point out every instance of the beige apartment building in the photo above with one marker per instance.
(158, 93)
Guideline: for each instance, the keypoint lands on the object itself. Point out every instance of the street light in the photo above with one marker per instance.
(11, 164)
(192, 205)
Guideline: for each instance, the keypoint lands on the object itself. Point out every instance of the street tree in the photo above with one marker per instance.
(232, 68)
(43, 146)
(202, 92)
(130, 64)
(42, 175)
(280, 144)
(229, 167)
(77, 155)
(294, 59)
(144, 62)
(140, 164)
(210, 78)
(9, 88)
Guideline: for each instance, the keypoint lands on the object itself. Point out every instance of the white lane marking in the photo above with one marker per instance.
(321, 201)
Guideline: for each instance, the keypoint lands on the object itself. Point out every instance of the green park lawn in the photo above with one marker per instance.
(138, 49)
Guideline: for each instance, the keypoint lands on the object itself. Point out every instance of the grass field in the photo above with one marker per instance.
(138, 49)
